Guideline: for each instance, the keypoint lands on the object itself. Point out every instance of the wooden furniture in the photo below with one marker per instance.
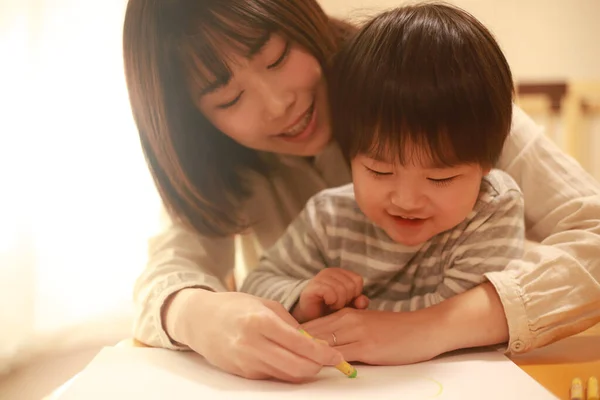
(581, 107)
(569, 111)
(553, 366)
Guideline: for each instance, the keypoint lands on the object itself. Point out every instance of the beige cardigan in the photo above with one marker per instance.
(554, 291)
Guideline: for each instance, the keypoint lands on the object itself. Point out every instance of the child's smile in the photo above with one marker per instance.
(414, 202)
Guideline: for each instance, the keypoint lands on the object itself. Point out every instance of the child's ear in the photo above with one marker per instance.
(486, 170)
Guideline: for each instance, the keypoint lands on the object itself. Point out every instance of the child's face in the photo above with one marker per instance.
(415, 202)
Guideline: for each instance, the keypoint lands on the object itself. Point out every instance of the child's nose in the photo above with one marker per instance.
(407, 199)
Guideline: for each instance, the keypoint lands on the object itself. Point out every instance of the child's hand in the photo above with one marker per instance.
(330, 290)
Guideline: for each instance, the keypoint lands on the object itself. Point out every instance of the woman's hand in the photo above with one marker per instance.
(470, 319)
(380, 337)
(246, 335)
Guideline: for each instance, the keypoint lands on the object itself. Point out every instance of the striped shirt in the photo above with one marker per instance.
(332, 231)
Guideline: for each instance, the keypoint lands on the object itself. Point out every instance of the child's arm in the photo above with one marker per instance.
(491, 240)
(285, 269)
(294, 272)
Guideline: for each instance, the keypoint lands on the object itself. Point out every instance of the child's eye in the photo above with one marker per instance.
(282, 57)
(443, 181)
(232, 102)
(378, 174)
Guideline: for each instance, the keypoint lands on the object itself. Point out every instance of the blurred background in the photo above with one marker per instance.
(76, 200)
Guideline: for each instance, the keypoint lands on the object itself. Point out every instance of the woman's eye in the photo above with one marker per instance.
(282, 57)
(442, 182)
(230, 103)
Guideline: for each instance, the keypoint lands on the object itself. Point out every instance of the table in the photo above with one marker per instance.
(553, 366)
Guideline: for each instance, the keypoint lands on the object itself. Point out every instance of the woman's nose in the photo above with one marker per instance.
(277, 101)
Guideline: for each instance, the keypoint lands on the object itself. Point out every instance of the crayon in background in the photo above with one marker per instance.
(577, 389)
(592, 389)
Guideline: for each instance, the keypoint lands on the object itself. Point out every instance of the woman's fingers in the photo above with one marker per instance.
(338, 338)
(274, 347)
(273, 372)
(331, 322)
(282, 313)
(341, 336)
(325, 328)
(293, 341)
(285, 365)
(352, 351)
(266, 359)
(348, 325)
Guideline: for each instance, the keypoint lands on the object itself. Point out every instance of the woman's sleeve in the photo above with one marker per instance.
(178, 258)
(554, 290)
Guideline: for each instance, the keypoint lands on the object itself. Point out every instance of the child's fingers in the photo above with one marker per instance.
(361, 302)
(348, 284)
(357, 282)
(326, 291)
(352, 281)
(343, 297)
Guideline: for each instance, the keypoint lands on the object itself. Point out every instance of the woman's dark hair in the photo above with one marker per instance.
(198, 170)
(431, 76)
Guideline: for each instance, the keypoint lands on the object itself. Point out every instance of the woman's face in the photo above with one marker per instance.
(275, 100)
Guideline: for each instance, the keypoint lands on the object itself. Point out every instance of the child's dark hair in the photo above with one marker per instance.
(427, 75)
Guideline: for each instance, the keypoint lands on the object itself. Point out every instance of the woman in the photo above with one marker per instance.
(230, 101)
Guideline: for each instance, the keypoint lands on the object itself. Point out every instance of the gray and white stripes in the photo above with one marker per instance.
(332, 232)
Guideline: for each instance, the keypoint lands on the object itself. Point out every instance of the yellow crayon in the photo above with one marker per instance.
(577, 389)
(592, 389)
(344, 367)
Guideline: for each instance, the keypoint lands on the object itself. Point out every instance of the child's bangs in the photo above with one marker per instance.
(415, 115)
(212, 37)
(383, 133)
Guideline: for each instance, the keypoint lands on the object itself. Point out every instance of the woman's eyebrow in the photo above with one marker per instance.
(214, 85)
(257, 46)
(254, 49)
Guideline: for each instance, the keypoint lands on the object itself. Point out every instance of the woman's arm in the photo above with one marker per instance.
(471, 319)
(182, 292)
(554, 290)
(551, 293)
(177, 259)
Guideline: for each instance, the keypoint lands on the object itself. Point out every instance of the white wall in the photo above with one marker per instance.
(542, 39)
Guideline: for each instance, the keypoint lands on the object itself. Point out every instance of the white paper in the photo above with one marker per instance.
(121, 373)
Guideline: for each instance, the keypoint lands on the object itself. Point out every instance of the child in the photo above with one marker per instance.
(421, 107)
